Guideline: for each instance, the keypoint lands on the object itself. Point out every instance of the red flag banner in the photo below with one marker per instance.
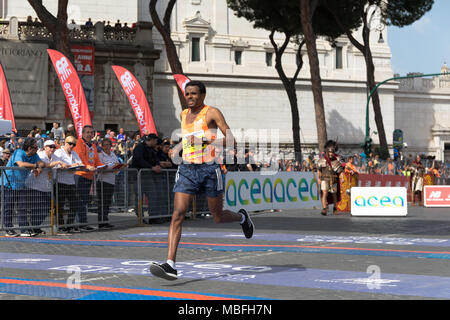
(137, 99)
(6, 110)
(73, 90)
(182, 81)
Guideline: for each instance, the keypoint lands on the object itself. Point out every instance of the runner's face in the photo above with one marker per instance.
(193, 97)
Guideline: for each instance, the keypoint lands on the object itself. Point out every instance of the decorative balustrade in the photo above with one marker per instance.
(36, 31)
(434, 84)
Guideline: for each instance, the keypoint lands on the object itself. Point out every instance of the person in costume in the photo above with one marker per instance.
(418, 171)
(329, 167)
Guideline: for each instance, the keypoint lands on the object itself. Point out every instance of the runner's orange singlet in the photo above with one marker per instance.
(197, 153)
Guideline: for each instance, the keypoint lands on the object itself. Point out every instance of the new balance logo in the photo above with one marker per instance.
(435, 195)
(63, 69)
(127, 82)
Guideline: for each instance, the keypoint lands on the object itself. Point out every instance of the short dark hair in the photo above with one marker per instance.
(106, 140)
(86, 127)
(28, 143)
(196, 83)
(150, 137)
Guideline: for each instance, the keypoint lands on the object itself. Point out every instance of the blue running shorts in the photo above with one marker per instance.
(199, 178)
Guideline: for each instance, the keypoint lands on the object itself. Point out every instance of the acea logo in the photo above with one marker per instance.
(381, 201)
(256, 191)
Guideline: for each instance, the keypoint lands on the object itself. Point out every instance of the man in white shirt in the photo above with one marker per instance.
(42, 185)
(65, 187)
(105, 183)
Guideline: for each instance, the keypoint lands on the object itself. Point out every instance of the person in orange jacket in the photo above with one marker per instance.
(350, 167)
(87, 151)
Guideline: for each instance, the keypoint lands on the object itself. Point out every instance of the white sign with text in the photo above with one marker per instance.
(379, 201)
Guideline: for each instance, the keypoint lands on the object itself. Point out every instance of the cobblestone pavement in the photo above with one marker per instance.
(293, 255)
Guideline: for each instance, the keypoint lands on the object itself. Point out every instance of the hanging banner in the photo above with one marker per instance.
(137, 99)
(25, 66)
(73, 90)
(182, 81)
(84, 62)
(84, 59)
(6, 110)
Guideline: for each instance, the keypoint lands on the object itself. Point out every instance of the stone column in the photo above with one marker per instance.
(144, 34)
(13, 30)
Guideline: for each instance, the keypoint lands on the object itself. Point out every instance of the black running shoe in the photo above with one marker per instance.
(247, 225)
(164, 271)
(86, 229)
(39, 231)
(11, 233)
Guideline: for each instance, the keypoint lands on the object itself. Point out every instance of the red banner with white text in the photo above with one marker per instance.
(182, 81)
(73, 90)
(84, 59)
(6, 110)
(137, 99)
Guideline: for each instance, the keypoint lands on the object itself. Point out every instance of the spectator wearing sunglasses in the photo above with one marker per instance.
(6, 154)
(65, 186)
(42, 185)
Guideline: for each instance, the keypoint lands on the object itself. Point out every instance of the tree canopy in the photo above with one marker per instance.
(284, 16)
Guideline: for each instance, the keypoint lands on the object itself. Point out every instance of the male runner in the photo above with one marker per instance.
(198, 173)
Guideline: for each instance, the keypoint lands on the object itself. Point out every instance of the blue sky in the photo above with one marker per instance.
(424, 45)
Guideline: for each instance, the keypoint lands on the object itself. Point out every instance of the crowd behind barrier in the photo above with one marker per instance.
(63, 193)
(137, 181)
(371, 164)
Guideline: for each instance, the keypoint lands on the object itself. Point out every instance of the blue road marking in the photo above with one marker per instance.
(288, 237)
(250, 246)
(383, 283)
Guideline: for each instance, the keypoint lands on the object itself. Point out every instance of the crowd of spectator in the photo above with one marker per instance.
(371, 164)
(90, 161)
(88, 24)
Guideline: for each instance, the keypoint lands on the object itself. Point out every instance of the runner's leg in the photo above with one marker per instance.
(219, 215)
(181, 204)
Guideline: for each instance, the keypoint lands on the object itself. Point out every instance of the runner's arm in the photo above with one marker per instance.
(222, 125)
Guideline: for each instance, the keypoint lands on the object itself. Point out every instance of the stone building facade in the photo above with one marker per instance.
(131, 48)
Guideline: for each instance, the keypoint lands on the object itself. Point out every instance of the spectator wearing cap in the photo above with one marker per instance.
(42, 185)
(163, 155)
(87, 151)
(145, 159)
(16, 191)
(145, 155)
(66, 186)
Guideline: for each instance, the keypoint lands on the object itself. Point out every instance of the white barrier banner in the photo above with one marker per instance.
(258, 191)
(379, 201)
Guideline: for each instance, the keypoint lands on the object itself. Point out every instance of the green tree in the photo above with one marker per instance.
(284, 16)
(163, 28)
(56, 25)
(371, 14)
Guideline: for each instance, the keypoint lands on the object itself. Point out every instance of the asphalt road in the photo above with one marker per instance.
(294, 255)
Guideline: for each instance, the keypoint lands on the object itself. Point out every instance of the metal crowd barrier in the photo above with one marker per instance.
(61, 200)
